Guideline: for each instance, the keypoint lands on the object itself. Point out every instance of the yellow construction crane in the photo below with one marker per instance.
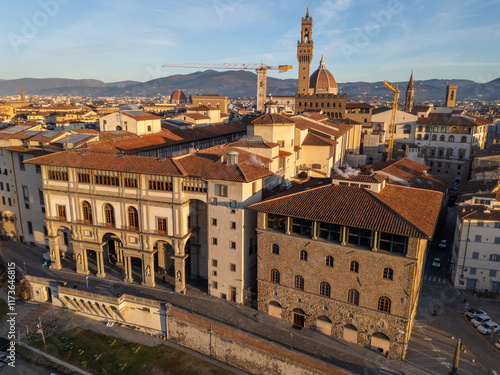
(261, 70)
(393, 119)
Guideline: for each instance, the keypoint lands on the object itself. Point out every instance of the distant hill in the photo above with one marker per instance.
(240, 84)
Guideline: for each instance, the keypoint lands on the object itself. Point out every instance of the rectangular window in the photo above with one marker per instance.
(27, 206)
(221, 190)
(163, 183)
(302, 227)
(480, 223)
(40, 197)
(21, 164)
(232, 267)
(254, 187)
(10, 202)
(161, 225)
(472, 271)
(214, 285)
(214, 222)
(497, 240)
(214, 262)
(475, 255)
(1, 185)
(214, 241)
(61, 212)
(232, 244)
(26, 193)
(45, 232)
(194, 184)
(84, 178)
(3, 200)
(330, 232)
(7, 186)
(58, 173)
(393, 243)
(130, 182)
(497, 225)
(276, 222)
(495, 257)
(359, 236)
(477, 238)
(107, 178)
(30, 227)
(232, 225)
(38, 169)
(493, 273)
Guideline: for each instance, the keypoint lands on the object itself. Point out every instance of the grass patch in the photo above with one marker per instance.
(4, 308)
(108, 355)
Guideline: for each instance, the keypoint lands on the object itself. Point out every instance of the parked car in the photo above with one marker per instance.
(488, 327)
(480, 319)
(475, 312)
(436, 262)
(443, 244)
(497, 344)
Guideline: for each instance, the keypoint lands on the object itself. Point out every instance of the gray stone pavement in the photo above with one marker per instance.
(350, 357)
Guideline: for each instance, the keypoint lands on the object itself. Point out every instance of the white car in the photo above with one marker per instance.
(443, 244)
(488, 327)
(472, 313)
(436, 262)
(480, 319)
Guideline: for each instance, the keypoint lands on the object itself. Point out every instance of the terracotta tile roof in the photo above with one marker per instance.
(197, 116)
(27, 150)
(318, 172)
(358, 105)
(47, 136)
(492, 150)
(372, 178)
(272, 118)
(85, 131)
(140, 116)
(480, 213)
(316, 140)
(202, 108)
(396, 209)
(205, 164)
(422, 108)
(446, 119)
(250, 144)
(283, 153)
(404, 169)
(325, 127)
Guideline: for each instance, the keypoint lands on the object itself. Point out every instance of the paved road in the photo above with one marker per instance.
(440, 320)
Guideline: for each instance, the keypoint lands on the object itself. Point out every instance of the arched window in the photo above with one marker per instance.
(433, 151)
(276, 249)
(463, 139)
(329, 261)
(353, 297)
(384, 304)
(299, 282)
(354, 266)
(426, 137)
(420, 128)
(449, 152)
(87, 212)
(324, 289)
(443, 129)
(440, 152)
(109, 215)
(275, 276)
(434, 137)
(427, 128)
(451, 138)
(461, 153)
(388, 273)
(133, 218)
(419, 137)
(303, 255)
(442, 138)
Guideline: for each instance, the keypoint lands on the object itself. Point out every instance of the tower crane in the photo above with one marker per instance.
(393, 118)
(261, 70)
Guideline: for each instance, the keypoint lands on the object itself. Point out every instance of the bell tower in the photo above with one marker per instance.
(410, 92)
(451, 95)
(305, 54)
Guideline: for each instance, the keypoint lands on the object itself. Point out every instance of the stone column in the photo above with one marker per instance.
(85, 261)
(180, 273)
(100, 264)
(128, 269)
(80, 262)
(376, 235)
(148, 272)
(119, 254)
(55, 254)
(343, 235)
(161, 256)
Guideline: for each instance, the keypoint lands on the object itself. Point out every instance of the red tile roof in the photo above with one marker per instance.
(396, 209)
(316, 140)
(358, 105)
(272, 118)
(477, 212)
(283, 153)
(140, 117)
(446, 119)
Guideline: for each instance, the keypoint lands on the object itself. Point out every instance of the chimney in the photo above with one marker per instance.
(232, 158)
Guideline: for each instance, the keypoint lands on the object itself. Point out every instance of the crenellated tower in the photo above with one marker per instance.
(305, 54)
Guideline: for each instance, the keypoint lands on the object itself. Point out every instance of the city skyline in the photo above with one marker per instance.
(115, 41)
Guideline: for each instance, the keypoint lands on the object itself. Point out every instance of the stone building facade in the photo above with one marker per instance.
(346, 256)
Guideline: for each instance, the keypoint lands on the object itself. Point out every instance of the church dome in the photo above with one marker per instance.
(322, 80)
(178, 97)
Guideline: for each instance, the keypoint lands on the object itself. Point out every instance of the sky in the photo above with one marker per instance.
(361, 40)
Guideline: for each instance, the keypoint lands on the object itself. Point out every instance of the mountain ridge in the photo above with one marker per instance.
(239, 84)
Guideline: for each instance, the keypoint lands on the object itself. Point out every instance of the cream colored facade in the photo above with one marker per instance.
(216, 101)
(137, 122)
(198, 228)
(476, 247)
(405, 125)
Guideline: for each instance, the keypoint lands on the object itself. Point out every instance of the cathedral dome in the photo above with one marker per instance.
(322, 80)
(178, 97)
